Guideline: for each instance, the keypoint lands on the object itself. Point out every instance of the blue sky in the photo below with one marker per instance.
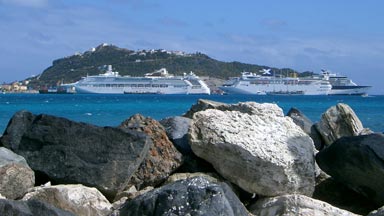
(343, 36)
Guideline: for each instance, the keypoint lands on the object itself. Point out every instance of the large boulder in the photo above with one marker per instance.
(78, 199)
(16, 177)
(30, 208)
(295, 204)
(256, 148)
(307, 125)
(177, 128)
(340, 121)
(358, 163)
(162, 158)
(68, 152)
(203, 104)
(194, 196)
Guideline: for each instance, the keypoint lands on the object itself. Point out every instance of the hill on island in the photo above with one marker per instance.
(137, 63)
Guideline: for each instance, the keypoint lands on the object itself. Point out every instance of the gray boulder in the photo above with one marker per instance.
(16, 177)
(78, 199)
(307, 125)
(378, 212)
(298, 205)
(340, 121)
(262, 152)
(177, 131)
(162, 158)
(203, 104)
(358, 163)
(194, 196)
(30, 208)
(68, 152)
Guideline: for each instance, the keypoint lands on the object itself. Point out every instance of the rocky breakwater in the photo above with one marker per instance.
(243, 159)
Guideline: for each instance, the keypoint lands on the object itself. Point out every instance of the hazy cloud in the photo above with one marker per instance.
(172, 22)
(274, 24)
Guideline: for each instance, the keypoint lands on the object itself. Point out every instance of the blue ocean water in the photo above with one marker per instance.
(111, 110)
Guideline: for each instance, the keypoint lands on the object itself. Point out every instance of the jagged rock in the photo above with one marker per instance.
(78, 199)
(195, 196)
(162, 158)
(263, 153)
(336, 194)
(296, 204)
(358, 163)
(243, 107)
(378, 212)
(307, 125)
(340, 121)
(63, 151)
(16, 177)
(203, 104)
(30, 208)
(128, 195)
(177, 131)
(212, 177)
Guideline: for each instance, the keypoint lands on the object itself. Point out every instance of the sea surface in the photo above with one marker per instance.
(111, 110)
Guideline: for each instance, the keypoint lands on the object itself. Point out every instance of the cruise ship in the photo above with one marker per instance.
(251, 83)
(158, 82)
(342, 85)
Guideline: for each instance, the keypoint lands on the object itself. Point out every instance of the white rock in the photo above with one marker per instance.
(298, 205)
(261, 151)
(77, 199)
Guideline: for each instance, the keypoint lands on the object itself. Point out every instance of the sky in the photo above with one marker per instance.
(343, 36)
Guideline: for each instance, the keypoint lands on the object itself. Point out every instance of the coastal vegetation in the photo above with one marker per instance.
(137, 63)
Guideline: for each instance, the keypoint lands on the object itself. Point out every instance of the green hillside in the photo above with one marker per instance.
(137, 63)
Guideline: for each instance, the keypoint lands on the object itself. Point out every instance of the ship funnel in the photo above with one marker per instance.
(110, 68)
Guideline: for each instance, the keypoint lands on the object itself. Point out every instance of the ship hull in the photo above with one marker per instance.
(349, 90)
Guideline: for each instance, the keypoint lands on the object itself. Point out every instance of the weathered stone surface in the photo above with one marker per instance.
(78, 199)
(162, 158)
(298, 205)
(70, 153)
(30, 208)
(307, 125)
(201, 105)
(378, 212)
(263, 153)
(195, 196)
(177, 131)
(340, 121)
(358, 163)
(16, 177)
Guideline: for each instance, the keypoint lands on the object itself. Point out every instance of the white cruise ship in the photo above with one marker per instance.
(342, 85)
(250, 83)
(158, 82)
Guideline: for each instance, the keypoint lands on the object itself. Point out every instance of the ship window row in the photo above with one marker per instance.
(130, 85)
(267, 82)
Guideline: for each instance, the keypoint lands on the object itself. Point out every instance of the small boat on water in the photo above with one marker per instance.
(158, 82)
(56, 90)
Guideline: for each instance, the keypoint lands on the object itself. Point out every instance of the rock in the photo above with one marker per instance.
(296, 204)
(30, 208)
(16, 177)
(128, 195)
(212, 177)
(358, 163)
(78, 199)
(177, 131)
(194, 196)
(162, 158)
(340, 121)
(67, 152)
(378, 212)
(263, 153)
(307, 125)
(201, 105)
(336, 194)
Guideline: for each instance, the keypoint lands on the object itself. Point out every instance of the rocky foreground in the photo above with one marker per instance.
(217, 159)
